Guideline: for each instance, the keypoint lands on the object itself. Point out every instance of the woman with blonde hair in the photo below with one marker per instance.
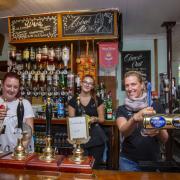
(136, 146)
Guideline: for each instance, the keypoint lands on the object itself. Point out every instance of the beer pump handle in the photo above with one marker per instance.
(20, 114)
(48, 117)
(149, 97)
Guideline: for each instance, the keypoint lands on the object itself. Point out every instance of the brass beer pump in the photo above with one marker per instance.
(20, 151)
(48, 152)
(78, 152)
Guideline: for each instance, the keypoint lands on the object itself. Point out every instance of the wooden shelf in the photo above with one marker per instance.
(63, 121)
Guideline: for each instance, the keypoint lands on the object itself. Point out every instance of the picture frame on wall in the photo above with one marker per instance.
(136, 61)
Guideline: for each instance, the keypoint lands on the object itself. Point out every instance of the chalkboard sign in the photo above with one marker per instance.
(89, 23)
(136, 61)
(44, 26)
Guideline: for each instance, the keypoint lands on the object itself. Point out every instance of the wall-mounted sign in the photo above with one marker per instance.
(88, 23)
(30, 27)
(136, 61)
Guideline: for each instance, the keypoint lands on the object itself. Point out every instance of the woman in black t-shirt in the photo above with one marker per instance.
(93, 107)
(135, 146)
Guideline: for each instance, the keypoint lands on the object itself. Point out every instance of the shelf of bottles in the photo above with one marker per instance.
(45, 72)
(59, 139)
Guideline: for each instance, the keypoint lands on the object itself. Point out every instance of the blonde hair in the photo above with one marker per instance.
(139, 76)
(135, 73)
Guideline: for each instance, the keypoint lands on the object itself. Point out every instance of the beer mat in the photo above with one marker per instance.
(36, 164)
(68, 165)
(10, 162)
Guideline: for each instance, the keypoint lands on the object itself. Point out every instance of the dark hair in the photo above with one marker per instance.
(12, 75)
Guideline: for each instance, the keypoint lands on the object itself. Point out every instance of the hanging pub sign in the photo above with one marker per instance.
(108, 55)
(136, 61)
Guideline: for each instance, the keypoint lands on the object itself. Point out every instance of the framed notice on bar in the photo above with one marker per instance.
(78, 128)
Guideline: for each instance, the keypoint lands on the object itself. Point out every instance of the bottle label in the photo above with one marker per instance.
(109, 116)
(60, 110)
(26, 54)
(157, 121)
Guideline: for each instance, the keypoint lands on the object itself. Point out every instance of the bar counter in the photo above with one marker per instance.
(20, 174)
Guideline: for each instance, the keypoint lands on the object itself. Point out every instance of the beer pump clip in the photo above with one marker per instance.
(160, 121)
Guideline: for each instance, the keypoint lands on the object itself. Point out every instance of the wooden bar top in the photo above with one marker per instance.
(98, 174)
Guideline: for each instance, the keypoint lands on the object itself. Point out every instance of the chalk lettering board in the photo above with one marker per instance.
(91, 23)
(136, 61)
(44, 26)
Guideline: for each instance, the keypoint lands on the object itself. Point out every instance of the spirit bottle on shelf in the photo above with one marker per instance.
(70, 80)
(77, 85)
(23, 78)
(32, 54)
(26, 54)
(55, 79)
(65, 55)
(44, 53)
(49, 91)
(60, 107)
(38, 54)
(29, 80)
(58, 53)
(51, 55)
(42, 78)
(102, 90)
(108, 107)
(44, 56)
(61, 79)
(12, 58)
(49, 78)
(18, 56)
(12, 53)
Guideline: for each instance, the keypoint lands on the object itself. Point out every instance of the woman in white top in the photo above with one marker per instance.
(8, 113)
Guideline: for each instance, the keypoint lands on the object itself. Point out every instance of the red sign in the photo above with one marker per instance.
(108, 54)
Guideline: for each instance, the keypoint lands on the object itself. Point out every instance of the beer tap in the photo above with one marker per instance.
(48, 152)
(48, 117)
(19, 151)
(20, 114)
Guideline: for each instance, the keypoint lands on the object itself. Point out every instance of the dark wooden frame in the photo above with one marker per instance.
(60, 36)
